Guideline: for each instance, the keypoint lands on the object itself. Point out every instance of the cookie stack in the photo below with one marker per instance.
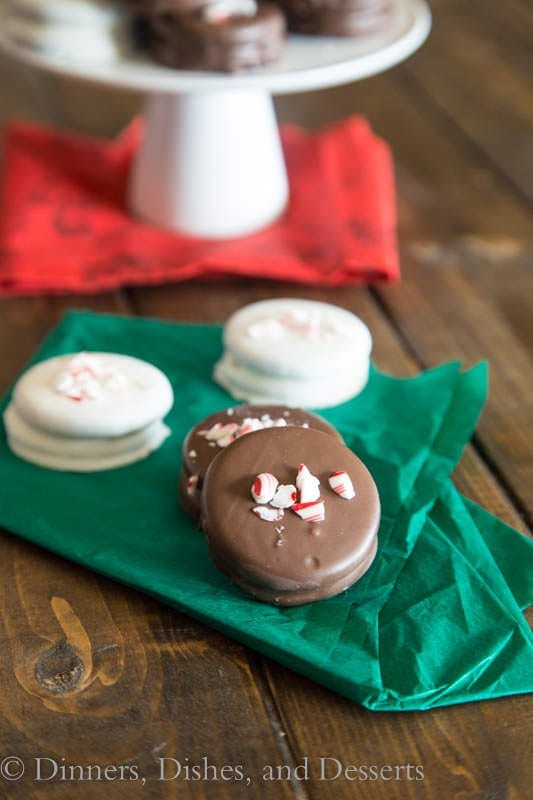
(291, 515)
(221, 35)
(74, 31)
(88, 412)
(297, 352)
(215, 433)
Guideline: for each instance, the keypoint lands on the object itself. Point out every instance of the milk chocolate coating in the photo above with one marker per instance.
(197, 452)
(289, 562)
(189, 41)
(336, 17)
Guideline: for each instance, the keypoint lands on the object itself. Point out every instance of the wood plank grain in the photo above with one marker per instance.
(465, 71)
(42, 97)
(428, 311)
(94, 674)
(473, 751)
(508, 26)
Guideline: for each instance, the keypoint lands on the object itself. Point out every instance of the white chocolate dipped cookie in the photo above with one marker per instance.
(296, 352)
(79, 31)
(88, 412)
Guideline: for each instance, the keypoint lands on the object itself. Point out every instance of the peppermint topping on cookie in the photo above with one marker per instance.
(311, 512)
(341, 484)
(222, 10)
(285, 496)
(307, 484)
(192, 483)
(222, 435)
(268, 329)
(264, 487)
(305, 324)
(86, 377)
(303, 498)
(268, 514)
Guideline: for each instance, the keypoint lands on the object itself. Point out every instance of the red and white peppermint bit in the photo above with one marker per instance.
(222, 10)
(311, 512)
(268, 329)
(86, 376)
(192, 483)
(341, 484)
(249, 425)
(264, 487)
(286, 495)
(268, 514)
(222, 435)
(307, 484)
(301, 473)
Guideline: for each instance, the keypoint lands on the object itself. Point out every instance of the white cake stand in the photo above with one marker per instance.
(211, 163)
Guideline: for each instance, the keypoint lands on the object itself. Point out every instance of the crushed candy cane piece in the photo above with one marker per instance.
(311, 512)
(192, 483)
(307, 484)
(219, 432)
(268, 514)
(222, 10)
(220, 435)
(86, 376)
(341, 484)
(286, 495)
(269, 328)
(264, 487)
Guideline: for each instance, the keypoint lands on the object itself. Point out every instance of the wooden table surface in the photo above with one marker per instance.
(459, 118)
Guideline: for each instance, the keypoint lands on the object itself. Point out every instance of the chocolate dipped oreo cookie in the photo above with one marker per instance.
(291, 515)
(337, 17)
(227, 36)
(144, 10)
(294, 351)
(214, 433)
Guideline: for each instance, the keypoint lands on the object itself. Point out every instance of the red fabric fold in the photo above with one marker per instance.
(65, 227)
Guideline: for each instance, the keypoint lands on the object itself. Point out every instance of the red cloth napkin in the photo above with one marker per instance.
(64, 224)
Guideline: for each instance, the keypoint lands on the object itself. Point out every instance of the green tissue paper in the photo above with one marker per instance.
(437, 619)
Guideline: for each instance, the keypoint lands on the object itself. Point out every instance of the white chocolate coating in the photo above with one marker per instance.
(243, 383)
(80, 454)
(66, 12)
(72, 30)
(146, 397)
(294, 352)
(88, 411)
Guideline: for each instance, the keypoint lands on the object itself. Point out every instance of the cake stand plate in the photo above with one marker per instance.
(211, 163)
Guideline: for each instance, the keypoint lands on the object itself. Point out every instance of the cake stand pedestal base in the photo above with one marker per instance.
(211, 163)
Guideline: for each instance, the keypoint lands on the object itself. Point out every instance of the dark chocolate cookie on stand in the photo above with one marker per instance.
(223, 35)
(291, 515)
(214, 433)
(337, 17)
(143, 10)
